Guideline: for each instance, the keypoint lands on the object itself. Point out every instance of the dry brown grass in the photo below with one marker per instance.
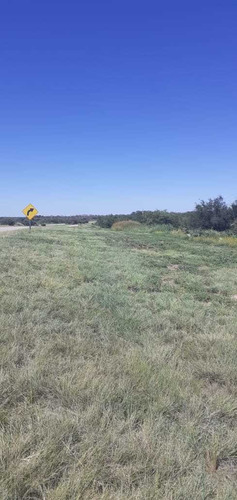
(125, 224)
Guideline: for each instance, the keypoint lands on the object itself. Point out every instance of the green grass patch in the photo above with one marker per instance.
(118, 357)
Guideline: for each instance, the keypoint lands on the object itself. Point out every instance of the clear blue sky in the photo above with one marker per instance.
(117, 105)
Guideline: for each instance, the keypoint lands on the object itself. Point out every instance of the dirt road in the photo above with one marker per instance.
(11, 228)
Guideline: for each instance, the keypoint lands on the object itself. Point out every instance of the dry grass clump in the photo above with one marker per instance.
(217, 239)
(125, 224)
(118, 367)
(221, 240)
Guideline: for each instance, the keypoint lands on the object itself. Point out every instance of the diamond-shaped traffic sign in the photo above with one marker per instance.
(30, 211)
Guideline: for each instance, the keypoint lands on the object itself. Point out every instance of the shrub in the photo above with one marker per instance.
(106, 221)
(214, 214)
(156, 217)
(125, 224)
(7, 221)
(233, 227)
(234, 209)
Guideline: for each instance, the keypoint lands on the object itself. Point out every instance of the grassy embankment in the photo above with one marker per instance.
(118, 355)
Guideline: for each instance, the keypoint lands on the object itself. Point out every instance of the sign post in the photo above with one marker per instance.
(30, 212)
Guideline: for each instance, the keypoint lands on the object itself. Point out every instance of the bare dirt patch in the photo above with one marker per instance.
(4, 229)
(173, 267)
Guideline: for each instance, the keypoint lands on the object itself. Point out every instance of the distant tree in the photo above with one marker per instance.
(106, 220)
(187, 220)
(213, 214)
(155, 217)
(234, 227)
(83, 220)
(7, 221)
(234, 209)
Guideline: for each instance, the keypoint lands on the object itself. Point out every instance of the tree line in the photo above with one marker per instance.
(213, 214)
(48, 219)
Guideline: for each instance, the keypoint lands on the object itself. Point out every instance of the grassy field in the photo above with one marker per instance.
(118, 354)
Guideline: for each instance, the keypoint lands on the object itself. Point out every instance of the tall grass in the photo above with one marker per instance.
(118, 356)
(221, 240)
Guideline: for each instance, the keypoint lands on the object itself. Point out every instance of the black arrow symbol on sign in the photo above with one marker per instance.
(30, 210)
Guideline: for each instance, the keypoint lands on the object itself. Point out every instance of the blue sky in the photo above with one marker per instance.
(114, 106)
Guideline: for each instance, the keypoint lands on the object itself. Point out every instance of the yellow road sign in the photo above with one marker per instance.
(30, 211)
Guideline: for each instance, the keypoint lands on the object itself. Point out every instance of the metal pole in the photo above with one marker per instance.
(30, 225)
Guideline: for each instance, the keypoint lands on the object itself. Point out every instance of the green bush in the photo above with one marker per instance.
(214, 214)
(234, 227)
(7, 221)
